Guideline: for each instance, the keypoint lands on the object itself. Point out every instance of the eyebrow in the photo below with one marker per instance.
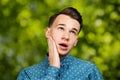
(62, 24)
(75, 29)
(72, 28)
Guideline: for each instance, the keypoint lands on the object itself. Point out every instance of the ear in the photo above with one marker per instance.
(47, 32)
(76, 42)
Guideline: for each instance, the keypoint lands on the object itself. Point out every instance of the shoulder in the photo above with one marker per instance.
(32, 71)
(34, 68)
(86, 68)
(83, 63)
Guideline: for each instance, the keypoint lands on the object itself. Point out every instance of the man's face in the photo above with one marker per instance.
(64, 32)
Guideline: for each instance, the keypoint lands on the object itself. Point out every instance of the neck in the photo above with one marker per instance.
(62, 56)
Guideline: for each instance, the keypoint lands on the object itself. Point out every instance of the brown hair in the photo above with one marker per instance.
(69, 11)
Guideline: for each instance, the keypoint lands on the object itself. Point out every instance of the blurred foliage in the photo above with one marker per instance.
(23, 42)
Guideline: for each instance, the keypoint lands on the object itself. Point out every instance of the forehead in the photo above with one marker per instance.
(67, 21)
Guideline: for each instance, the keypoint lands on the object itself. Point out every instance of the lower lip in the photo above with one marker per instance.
(63, 48)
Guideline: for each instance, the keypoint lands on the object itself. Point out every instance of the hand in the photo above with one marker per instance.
(54, 58)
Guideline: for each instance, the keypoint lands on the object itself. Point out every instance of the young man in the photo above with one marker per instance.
(62, 36)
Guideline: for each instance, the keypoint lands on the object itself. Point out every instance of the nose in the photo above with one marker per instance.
(66, 36)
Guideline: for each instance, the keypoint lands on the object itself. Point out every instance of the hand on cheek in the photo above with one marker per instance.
(53, 53)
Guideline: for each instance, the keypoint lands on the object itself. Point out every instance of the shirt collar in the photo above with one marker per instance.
(66, 60)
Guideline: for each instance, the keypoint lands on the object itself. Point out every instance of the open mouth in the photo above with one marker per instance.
(63, 45)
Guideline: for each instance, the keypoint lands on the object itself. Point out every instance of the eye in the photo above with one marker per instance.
(73, 32)
(60, 28)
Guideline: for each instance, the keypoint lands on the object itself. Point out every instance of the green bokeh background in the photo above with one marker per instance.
(23, 42)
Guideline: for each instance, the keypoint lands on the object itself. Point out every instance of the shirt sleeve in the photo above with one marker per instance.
(95, 74)
(50, 74)
(23, 76)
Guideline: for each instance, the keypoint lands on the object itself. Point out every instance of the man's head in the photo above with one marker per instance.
(69, 11)
(64, 28)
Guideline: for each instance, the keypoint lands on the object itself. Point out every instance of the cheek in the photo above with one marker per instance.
(55, 35)
(73, 42)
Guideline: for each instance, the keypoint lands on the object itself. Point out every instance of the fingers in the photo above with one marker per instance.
(50, 45)
(53, 53)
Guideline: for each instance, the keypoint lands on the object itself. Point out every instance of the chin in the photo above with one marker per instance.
(63, 54)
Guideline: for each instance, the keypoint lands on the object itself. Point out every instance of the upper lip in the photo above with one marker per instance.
(63, 44)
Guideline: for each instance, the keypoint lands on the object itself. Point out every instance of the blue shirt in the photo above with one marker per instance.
(71, 68)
